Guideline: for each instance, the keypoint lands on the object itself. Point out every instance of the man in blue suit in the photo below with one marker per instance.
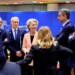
(2, 32)
(3, 35)
(67, 28)
(62, 36)
(15, 37)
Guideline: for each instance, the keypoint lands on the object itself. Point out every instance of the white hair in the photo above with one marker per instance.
(14, 18)
(30, 20)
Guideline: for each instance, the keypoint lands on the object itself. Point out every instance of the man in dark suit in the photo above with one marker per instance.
(3, 35)
(67, 29)
(15, 37)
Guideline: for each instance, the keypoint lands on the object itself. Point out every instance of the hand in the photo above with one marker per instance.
(31, 64)
(58, 65)
(18, 53)
(26, 51)
(5, 39)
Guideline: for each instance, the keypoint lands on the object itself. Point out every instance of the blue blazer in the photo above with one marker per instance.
(15, 45)
(62, 36)
(3, 34)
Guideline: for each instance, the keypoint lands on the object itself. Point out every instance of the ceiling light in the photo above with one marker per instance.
(67, 1)
(34, 1)
(41, 2)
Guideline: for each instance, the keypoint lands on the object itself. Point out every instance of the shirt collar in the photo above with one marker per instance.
(65, 23)
(14, 29)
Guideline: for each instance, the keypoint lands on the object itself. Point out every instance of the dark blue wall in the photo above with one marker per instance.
(45, 18)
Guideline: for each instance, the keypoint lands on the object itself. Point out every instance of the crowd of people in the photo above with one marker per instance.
(38, 52)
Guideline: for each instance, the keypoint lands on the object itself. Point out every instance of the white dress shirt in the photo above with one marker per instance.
(14, 32)
(65, 23)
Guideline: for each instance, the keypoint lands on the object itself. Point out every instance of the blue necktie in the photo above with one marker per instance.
(15, 34)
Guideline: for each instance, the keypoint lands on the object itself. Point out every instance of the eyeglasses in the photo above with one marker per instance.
(15, 22)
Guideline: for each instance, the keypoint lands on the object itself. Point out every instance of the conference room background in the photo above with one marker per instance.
(45, 18)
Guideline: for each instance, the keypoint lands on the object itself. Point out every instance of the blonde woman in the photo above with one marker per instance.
(30, 39)
(45, 54)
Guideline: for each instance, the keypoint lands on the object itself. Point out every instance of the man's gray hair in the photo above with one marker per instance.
(66, 12)
(15, 17)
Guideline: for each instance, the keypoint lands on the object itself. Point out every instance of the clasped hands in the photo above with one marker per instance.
(18, 54)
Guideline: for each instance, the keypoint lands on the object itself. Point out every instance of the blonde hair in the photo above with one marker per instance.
(29, 21)
(44, 37)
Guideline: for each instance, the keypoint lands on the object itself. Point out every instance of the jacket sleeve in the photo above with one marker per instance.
(64, 53)
(28, 58)
(11, 49)
(66, 31)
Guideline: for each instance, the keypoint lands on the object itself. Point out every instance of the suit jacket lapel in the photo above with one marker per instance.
(67, 23)
(18, 34)
(0, 32)
(11, 34)
(65, 26)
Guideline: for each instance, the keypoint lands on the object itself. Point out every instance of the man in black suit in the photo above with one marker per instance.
(67, 29)
(15, 37)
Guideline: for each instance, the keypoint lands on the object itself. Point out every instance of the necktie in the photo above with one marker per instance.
(15, 34)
